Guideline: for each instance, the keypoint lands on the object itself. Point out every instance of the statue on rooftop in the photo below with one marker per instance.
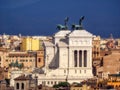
(78, 27)
(63, 27)
(81, 19)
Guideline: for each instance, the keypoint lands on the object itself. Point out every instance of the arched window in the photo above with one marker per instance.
(22, 86)
(75, 58)
(17, 85)
(85, 58)
(80, 58)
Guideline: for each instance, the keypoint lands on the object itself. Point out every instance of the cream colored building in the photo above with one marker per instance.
(96, 47)
(103, 43)
(30, 44)
(3, 55)
(40, 59)
(111, 64)
(18, 60)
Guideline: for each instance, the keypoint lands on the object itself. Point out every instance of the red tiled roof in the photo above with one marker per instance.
(22, 77)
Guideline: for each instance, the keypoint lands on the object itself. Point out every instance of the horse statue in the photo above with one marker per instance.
(63, 27)
(75, 27)
(81, 19)
(78, 27)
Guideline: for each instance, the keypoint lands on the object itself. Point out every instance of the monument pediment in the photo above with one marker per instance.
(80, 33)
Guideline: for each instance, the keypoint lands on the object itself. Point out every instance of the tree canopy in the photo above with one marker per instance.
(61, 84)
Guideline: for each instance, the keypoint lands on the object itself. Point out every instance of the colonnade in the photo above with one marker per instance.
(80, 58)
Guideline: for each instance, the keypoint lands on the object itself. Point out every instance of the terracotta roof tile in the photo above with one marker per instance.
(22, 77)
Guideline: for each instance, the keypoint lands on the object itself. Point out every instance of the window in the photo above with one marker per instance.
(30, 60)
(17, 85)
(80, 58)
(22, 86)
(75, 58)
(85, 58)
(55, 82)
(44, 83)
(39, 59)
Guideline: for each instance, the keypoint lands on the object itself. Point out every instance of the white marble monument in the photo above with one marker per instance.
(67, 58)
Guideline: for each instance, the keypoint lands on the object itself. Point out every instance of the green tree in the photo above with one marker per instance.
(61, 84)
(56, 86)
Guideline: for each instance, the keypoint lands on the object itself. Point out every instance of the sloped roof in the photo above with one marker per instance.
(23, 77)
